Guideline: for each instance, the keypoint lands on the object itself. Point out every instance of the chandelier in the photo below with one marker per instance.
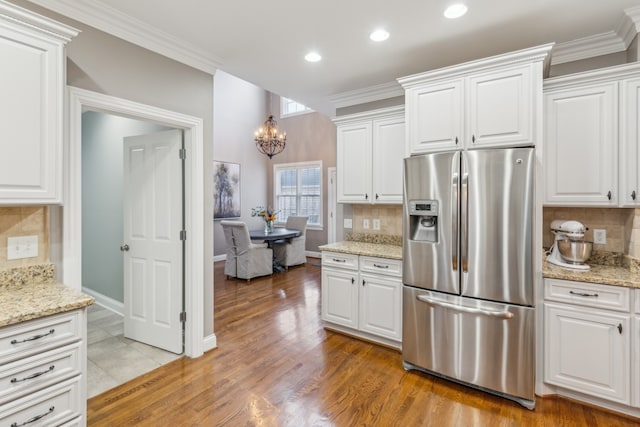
(268, 141)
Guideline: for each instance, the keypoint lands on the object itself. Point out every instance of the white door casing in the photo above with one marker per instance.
(332, 204)
(69, 250)
(152, 248)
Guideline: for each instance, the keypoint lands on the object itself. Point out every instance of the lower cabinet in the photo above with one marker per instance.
(362, 296)
(589, 335)
(43, 371)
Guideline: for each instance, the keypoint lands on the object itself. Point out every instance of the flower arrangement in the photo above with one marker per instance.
(268, 214)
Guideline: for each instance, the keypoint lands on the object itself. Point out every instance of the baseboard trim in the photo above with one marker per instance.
(312, 254)
(105, 301)
(222, 257)
(210, 342)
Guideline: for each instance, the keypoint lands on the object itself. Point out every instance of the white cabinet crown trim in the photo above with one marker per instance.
(617, 72)
(37, 23)
(380, 113)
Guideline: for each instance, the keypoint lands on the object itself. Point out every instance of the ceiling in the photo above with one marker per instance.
(265, 42)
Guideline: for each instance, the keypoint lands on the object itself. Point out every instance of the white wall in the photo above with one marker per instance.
(239, 110)
(102, 219)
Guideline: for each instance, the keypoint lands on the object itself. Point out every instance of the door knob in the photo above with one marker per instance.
(124, 248)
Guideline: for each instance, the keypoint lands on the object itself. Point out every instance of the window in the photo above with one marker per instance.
(298, 191)
(289, 107)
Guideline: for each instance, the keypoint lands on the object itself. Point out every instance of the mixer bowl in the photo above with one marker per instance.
(575, 251)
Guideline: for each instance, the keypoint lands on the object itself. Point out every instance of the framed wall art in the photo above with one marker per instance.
(226, 188)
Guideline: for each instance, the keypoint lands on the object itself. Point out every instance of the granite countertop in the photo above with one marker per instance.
(603, 274)
(31, 292)
(380, 250)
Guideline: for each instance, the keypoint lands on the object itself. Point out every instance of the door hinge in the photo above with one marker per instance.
(183, 234)
(183, 153)
(183, 317)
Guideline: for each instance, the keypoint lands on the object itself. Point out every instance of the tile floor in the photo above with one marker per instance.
(113, 359)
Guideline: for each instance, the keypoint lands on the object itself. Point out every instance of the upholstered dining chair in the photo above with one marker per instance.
(291, 252)
(245, 260)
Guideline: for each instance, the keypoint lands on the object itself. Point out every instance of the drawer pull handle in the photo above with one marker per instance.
(34, 419)
(339, 260)
(380, 266)
(583, 294)
(33, 338)
(32, 376)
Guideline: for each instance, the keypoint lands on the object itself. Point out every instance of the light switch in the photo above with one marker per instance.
(348, 223)
(376, 224)
(22, 247)
(600, 236)
(365, 224)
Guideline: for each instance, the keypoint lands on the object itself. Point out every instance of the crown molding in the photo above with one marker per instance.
(105, 18)
(36, 22)
(367, 94)
(614, 41)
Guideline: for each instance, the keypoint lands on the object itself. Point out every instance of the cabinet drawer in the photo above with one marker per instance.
(36, 336)
(39, 371)
(391, 267)
(335, 259)
(54, 405)
(588, 294)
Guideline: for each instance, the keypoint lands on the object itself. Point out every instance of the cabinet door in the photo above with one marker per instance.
(587, 350)
(31, 85)
(354, 163)
(435, 118)
(340, 297)
(581, 146)
(388, 155)
(635, 362)
(381, 305)
(630, 143)
(500, 108)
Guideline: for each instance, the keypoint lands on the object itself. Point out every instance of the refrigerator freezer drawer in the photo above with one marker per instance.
(485, 344)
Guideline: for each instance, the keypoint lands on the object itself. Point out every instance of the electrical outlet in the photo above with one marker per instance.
(376, 224)
(365, 224)
(22, 247)
(600, 236)
(348, 223)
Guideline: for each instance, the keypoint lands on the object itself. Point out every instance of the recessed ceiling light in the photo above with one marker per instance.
(379, 35)
(313, 57)
(455, 11)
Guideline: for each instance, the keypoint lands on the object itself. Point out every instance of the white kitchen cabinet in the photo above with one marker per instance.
(635, 352)
(581, 145)
(370, 153)
(32, 82)
(587, 339)
(364, 301)
(630, 143)
(492, 102)
(43, 370)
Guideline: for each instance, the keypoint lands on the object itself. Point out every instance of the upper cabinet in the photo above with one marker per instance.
(32, 81)
(487, 103)
(370, 156)
(591, 153)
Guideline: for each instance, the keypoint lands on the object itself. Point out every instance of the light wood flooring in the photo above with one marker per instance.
(277, 366)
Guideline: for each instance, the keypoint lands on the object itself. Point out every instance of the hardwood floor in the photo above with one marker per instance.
(277, 366)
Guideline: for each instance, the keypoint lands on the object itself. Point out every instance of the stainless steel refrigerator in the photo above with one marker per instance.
(468, 299)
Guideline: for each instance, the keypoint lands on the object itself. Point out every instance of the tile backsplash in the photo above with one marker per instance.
(622, 226)
(24, 221)
(390, 217)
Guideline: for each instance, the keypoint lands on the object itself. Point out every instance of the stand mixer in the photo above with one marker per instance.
(566, 230)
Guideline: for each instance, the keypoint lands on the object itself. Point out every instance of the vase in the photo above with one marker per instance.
(268, 226)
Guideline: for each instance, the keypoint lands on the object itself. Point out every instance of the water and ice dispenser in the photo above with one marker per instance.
(423, 224)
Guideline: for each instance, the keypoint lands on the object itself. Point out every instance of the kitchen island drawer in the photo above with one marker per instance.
(39, 371)
(390, 267)
(51, 406)
(340, 260)
(35, 336)
(588, 294)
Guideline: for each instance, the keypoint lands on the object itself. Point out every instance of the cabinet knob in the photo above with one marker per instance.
(473, 139)
(353, 280)
(366, 196)
(620, 328)
(633, 195)
(362, 282)
(456, 140)
(124, 248)
(377, 196)
(609, 195)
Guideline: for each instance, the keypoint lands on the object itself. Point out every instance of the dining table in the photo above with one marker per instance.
(277, 233)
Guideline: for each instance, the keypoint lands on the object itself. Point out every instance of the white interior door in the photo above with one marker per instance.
(152, 245)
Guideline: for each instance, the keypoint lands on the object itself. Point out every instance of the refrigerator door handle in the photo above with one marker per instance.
(464, 218)
(445, 304)
(454, 208)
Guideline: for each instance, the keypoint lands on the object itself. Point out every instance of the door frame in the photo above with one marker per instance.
(71, 254)
(332, 185)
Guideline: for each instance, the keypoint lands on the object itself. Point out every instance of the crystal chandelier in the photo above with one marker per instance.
(268, 141)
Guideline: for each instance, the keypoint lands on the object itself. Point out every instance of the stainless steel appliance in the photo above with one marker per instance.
(569, 237)
(468, 298)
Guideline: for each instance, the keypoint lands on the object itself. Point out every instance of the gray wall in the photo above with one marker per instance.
(102, 217)
(310, 137)
(239, 110)
(106, 64)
